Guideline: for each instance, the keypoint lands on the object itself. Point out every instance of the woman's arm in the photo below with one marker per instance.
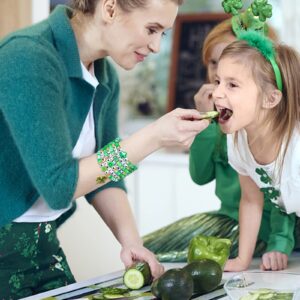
(250, 213)
(173, 129)
(113, 207)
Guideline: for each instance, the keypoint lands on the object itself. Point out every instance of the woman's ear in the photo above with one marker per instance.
(272, 99)
(109, 9)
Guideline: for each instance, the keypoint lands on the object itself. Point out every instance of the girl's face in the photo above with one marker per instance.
(131, 37)
(236, 97)
(215, 56)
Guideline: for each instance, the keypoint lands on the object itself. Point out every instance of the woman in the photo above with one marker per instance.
(58, 120)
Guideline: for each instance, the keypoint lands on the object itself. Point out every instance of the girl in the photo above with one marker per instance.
(209, 161)
(59, 98)
(257, 95)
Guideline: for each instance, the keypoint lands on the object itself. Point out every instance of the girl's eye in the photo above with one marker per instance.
(232, 85)
(217, 81)
(213, 62)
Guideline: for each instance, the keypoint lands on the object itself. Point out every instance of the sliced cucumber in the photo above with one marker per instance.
(137, 276)
(209, 114)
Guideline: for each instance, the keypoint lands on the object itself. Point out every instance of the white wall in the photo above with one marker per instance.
(90, 247)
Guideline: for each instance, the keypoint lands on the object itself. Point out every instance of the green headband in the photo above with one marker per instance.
(250, 26)
(265, 46)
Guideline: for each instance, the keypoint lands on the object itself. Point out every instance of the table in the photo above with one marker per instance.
(72, 290)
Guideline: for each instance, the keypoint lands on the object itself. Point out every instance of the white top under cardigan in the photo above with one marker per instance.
(288, 185)
(85, 146)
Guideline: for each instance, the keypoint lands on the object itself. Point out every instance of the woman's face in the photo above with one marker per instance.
(130, 37)
(215, 56)
(236, 97)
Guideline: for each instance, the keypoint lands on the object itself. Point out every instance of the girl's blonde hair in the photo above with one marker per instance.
(284, 117)
(222, 33)
(88, 6)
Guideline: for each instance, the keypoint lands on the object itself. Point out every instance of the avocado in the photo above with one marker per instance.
(174, 284)
(206, 274)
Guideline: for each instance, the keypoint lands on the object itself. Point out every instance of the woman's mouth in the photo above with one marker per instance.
(224, 115)
(140, 57)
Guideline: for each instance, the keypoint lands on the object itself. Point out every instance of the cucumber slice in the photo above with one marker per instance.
(113, 296)
(137, 276)
(209, 114)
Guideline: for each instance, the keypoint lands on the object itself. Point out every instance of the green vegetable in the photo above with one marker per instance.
(174, 284)
(264, 294)
(206, 274)
(209, 247)
(137, 276)
(209, 114)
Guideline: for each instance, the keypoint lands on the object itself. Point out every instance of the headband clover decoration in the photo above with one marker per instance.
(253, 17)
(250, 26)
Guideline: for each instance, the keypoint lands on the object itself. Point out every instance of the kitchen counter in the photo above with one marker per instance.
(86, 286)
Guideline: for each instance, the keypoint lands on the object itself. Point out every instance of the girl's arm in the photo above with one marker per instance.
(280, 241)
(201, 155)
(113, 207)
(250, 213)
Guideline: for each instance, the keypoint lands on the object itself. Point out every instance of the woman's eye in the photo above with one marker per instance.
(213, 62)
(151, 31)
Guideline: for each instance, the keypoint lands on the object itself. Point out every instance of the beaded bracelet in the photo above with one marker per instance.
(113, 162)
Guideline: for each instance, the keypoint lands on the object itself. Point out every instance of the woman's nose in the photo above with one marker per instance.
(154, 44)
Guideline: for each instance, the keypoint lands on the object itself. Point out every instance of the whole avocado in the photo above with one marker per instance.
(206, 274)
(174, 284)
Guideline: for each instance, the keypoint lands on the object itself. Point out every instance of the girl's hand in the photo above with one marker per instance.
(236, 265)
(203, 98)
(179, 127)
(134, 253)
(274, 261)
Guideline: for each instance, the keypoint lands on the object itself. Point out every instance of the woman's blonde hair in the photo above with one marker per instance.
(222, 33)
(88, 6)
(284, 117)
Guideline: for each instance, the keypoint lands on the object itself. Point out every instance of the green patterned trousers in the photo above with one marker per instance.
(31, 260)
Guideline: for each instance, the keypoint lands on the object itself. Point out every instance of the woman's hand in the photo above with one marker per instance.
(179, 127)
(236, 265)
(274, 261)
(203, 98)
(134, 253)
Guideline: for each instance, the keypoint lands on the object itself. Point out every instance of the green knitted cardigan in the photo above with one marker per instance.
(44, 101)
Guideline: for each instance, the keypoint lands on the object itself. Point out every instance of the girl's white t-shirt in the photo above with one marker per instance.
(85, 146)
(287, 185)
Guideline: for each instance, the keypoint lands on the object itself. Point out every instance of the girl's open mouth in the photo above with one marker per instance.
(225, 114)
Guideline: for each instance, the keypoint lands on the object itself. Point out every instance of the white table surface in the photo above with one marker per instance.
(293, 267)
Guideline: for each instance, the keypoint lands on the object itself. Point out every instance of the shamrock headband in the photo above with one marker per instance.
(250, 26)
(265, 46)
(252, 18)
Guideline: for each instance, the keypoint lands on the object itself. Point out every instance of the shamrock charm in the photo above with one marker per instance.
(271, 194)
(261, 9)
(232, 6)
(264, 177)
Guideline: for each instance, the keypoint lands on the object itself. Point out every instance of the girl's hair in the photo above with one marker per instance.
(284, 117)
(88, 6)
(223, 33)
